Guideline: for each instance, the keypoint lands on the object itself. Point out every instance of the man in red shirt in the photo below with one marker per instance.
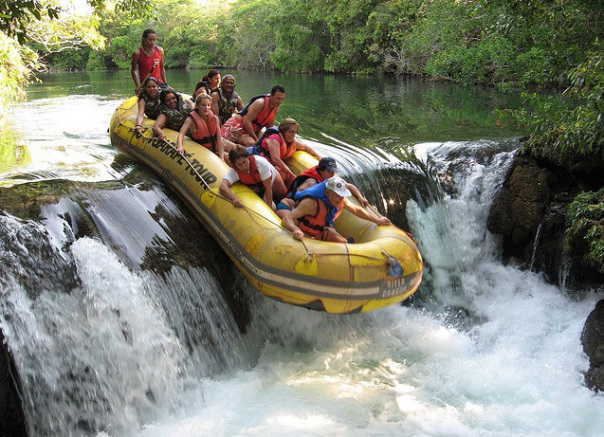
(148, 61)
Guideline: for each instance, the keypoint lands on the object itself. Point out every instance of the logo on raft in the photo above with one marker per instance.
(194, 167)
(394, 287)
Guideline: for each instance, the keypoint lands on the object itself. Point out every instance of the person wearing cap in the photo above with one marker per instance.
(326, 169)
(318, 208)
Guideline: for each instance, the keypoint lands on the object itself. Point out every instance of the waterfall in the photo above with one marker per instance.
(536, 245)
(125, 319)
(97, 344)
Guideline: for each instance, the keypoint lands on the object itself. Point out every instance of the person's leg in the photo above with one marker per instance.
(245, 140)
(279, 190)
(285, 206)
(330, 234)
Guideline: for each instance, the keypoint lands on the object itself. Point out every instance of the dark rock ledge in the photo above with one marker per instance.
(530, 213)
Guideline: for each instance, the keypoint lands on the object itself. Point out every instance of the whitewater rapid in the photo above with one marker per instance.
(485, 349)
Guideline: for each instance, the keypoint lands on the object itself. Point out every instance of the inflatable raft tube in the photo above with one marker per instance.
(382, 267)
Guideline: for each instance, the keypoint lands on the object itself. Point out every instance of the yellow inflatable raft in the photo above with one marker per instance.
(383, 267)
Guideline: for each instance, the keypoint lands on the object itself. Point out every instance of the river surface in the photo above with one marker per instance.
(124, 318)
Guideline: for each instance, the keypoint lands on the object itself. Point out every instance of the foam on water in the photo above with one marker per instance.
(513, 367)
(494, 352)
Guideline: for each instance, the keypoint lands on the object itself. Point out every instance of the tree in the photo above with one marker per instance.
(28, 25)
(15, 15)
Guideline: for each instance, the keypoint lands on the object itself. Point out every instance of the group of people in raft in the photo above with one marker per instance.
(247, 139)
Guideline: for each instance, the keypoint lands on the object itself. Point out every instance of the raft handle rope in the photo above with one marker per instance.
(309, 253)
(209, 188)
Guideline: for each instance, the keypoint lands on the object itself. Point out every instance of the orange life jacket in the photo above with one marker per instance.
(206, 132)
(311, 173)
(285, 150)
(266, 116)
(316, 225)
(251, 179)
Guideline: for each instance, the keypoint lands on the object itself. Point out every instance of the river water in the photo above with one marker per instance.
(124, 318)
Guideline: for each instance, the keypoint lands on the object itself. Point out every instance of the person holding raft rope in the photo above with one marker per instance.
(255, 172)
(148, 61)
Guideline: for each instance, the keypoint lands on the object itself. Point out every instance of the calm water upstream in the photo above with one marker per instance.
(124, 317)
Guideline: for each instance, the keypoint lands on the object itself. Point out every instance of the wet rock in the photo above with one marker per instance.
(12, 420)
(530, 213)
(593, 345)
(520, 208)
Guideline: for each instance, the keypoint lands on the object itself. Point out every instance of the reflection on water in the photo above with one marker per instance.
(361, 110)
(13, 153)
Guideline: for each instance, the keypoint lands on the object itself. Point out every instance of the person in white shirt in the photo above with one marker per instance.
(255, 172)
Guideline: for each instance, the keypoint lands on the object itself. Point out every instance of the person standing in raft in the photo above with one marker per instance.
(319, 207)
(225, 100)
(279, 143)
(255, 172)
(148, 102)
(326, 169)
(203, 127)
(148, 61)
(208, 83)
(173, 112)
(260, 112)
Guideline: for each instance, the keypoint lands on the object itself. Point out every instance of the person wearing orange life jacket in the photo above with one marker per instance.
(148, 61)
(255, 172)
(318, 208)
(326, 169)
(278, 144)
(203, 127)
(260, 112)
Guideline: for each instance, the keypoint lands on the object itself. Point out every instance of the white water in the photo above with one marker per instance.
(511, 367)
(515, 369)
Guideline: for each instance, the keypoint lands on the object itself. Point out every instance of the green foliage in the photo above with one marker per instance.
(15, 15)
(486, 62)
(126, 8)
(500, 42)
(573, 127)
(16, 62)
(346, 21)
(72, 59)
(247, 36)
(586, 214)
(389, 25)
(97, 61)
(302, 45)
